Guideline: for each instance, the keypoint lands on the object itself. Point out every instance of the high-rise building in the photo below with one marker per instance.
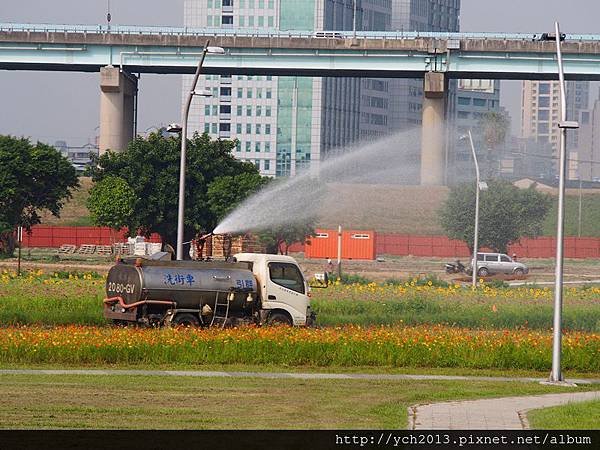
(540, 111)
(407, 94)
(587, 153)
(474, 99)
(287, 124)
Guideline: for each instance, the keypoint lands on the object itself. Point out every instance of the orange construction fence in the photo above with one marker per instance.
(356, 244)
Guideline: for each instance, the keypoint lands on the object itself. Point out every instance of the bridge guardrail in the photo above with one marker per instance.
(250, 32)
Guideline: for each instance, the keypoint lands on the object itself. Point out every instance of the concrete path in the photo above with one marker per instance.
(291, 375)
(489, 414)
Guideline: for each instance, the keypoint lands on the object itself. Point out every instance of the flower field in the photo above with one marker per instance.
(419, 346)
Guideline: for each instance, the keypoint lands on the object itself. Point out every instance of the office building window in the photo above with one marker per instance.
(267, 147)
(479, 102)
(238, 146)
(544, 102)
(258, 111)
(251, 4)
(261, 21)
(241, 21)
(239, 110)
(261, 4)
(248, 146)
(269, 93)
(227, 20)
(240, 93)
(267, 164)
(258, 92)
(226, 91)
(224, 126)
(242, 3)
(248, 128)
(269, 78)
(268, 111)
(249, 111)
(238, 128)
(209, 20)
(464, 101)
(207, 110)
(227, 2)
(544, 88)
(258, 131)
(267, 128)
(215, 110)
(214, 128)
(543, 114)
(210, 4)
(271, 4)
(225, 109)
(250, 21)
(257, 147)
(207, 127)
(257, 163)
(249, 92)
(271, 22)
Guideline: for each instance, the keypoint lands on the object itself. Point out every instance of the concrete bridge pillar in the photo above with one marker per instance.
(432, 139)
(118, 91)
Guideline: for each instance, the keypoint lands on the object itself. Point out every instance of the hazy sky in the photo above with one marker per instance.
(53, 105)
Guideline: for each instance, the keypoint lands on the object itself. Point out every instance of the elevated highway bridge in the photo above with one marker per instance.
(121, 51)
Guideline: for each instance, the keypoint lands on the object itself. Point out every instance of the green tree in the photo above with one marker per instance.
(226, 193)
(506, 214)
(150, 167)
(112, 203)
(278, 239)
(32, 178)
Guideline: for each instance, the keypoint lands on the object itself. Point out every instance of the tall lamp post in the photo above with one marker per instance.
(184, 126)
(480, 186)
(564, 125)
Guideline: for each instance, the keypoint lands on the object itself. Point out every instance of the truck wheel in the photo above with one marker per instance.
(279, 319)
(185, 320)
(483, 272)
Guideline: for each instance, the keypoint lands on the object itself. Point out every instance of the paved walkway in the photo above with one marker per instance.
(292, 375)
(490, 414)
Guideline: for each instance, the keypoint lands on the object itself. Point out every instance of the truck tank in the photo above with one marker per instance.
(189, 284)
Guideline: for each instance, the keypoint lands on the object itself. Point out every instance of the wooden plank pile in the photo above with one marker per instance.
(87, 249)
(225, 245)
(66, 249)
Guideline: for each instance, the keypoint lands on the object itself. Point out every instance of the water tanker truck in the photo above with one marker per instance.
(253, 288)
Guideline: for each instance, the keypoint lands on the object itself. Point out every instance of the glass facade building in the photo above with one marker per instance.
(288, 124)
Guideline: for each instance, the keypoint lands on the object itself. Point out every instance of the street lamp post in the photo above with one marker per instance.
(479, 186)
(564, 125)
(184, 126)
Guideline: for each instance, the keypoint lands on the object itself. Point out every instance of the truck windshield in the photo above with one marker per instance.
(287, 275)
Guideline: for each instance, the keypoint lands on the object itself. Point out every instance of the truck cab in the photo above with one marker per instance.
(282, 288)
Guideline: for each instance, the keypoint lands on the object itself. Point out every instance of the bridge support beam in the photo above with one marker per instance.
(432, 138)
(118, 91)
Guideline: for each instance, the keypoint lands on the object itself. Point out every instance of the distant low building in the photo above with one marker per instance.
(80, 156)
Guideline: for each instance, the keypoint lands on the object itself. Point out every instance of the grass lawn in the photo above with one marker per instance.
(573, 416)
(80, 401)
